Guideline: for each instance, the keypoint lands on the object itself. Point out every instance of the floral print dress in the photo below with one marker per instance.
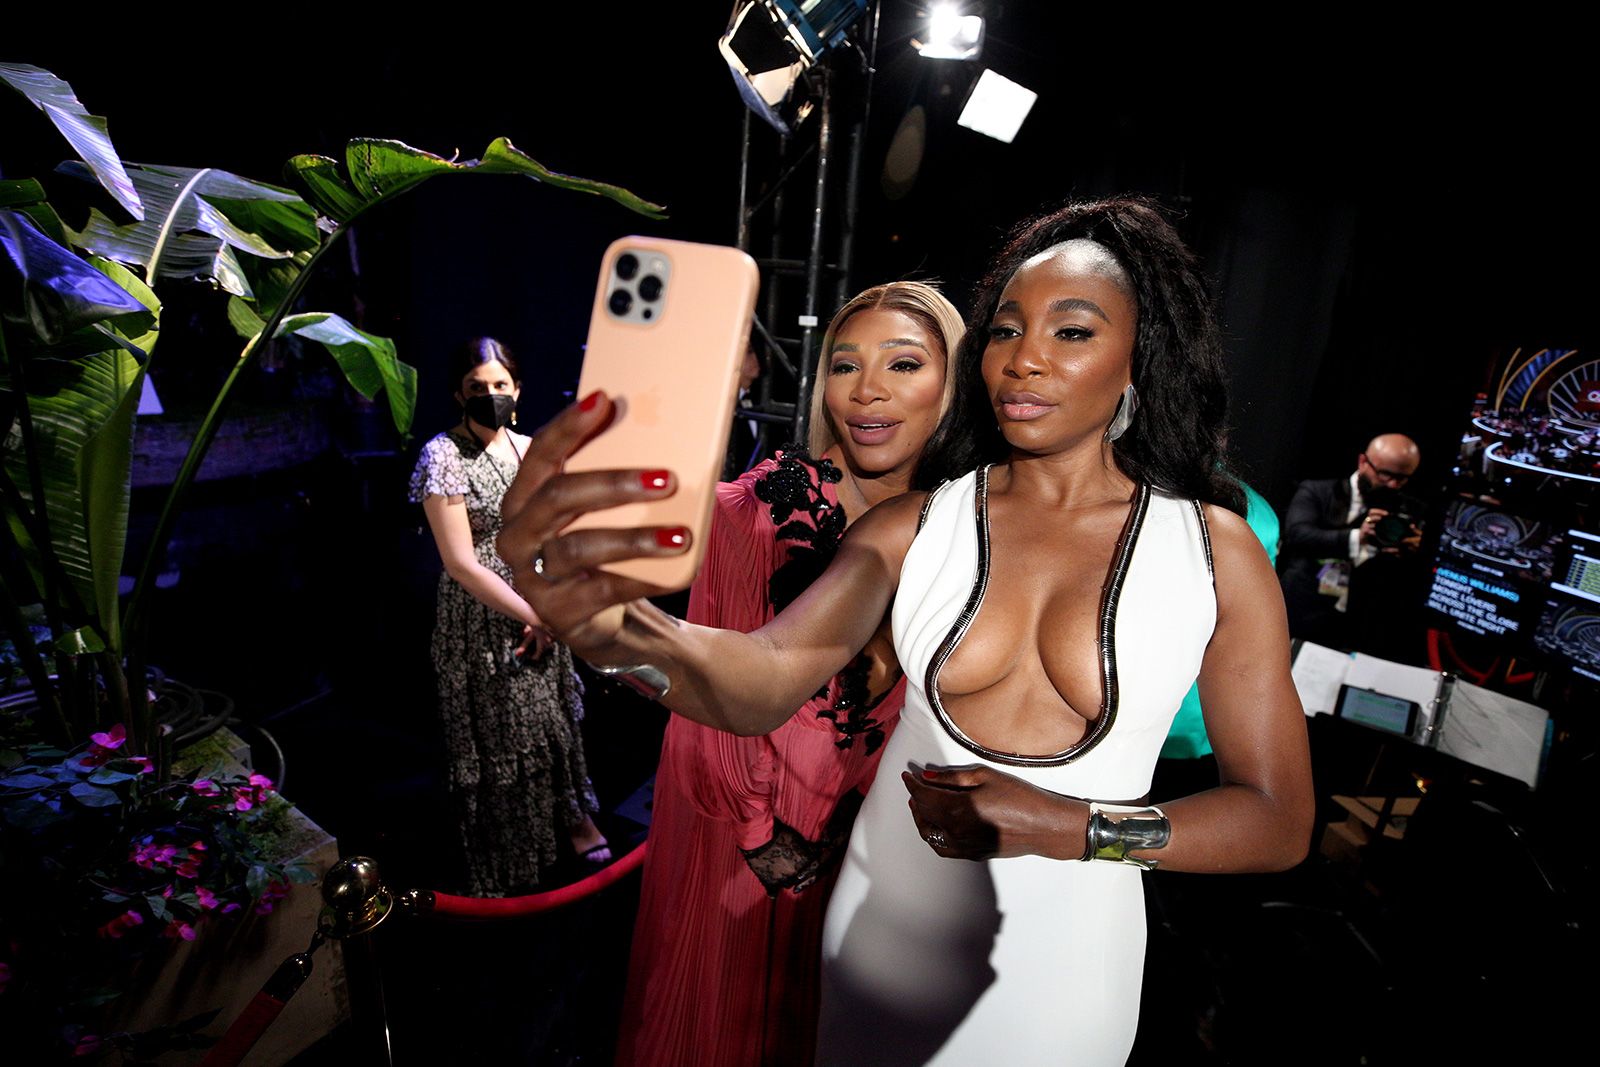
(517, 772)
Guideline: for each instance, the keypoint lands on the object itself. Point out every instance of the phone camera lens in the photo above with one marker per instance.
(649, 287)
(627, 266)
(621, 301)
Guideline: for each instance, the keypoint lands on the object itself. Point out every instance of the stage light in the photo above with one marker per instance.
(949, 34)
(997, 107)
(770, 44)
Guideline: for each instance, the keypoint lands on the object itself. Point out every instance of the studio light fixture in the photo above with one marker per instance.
(997, 107)
(771, 44)
(948, 34)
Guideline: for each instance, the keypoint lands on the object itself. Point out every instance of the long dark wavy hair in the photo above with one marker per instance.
(1176, 441)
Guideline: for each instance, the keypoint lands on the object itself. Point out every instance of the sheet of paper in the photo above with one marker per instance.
(1395, 679)
(1488, 729)
(1318, 672)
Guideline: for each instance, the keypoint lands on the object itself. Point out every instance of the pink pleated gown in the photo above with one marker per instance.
(725, 973)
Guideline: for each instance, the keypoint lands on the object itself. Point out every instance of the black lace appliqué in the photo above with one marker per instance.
(795, 486)
(790, 861)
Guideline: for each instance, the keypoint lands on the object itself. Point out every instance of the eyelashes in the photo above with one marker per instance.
(900, 366)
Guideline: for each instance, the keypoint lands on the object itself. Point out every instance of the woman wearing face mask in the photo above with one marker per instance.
(507, 693)
(1051, 605)
(746, 831)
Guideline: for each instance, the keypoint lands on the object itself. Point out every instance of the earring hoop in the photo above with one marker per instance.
(1124, 416)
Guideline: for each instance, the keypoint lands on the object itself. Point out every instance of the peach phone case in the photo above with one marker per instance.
(675, 381)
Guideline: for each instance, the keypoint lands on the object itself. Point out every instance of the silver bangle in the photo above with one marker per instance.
(1144, 829)
(648, 681)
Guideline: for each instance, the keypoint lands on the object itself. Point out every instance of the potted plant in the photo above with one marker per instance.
(97, 831)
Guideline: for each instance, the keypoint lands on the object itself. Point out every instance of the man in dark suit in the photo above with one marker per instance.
(1334, 526)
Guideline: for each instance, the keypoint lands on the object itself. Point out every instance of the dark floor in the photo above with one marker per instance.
(1446, 947)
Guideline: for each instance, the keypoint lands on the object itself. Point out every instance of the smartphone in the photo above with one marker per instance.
(1395, 715)
(669, 328)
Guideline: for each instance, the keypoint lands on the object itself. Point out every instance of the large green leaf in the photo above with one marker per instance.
(188, 234)
(27, 196)
(325, 187)
(377, 169)
(82, 412)
(502, 157)
(368, 361)
(271, 280)
(50, 288)
(83, 409)
(15, 192)
(85, 132)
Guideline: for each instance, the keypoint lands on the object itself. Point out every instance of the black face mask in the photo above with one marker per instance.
(493, 410)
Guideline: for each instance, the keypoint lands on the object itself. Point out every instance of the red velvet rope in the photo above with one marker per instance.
(245, 1031)
(533, 903)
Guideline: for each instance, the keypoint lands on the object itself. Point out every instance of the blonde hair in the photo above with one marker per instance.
(920, 301)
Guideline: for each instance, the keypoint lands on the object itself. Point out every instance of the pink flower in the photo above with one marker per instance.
(189, 868)
(102, 746)
(261, 781)
(87, 1045)
(121, 924)
(231, 907)
(274, 892)
(145, 766)
(205, 787)
(241, 800)
(111, 739)
(177, 928)
(197, 846)
(208, 899)
(148, 855)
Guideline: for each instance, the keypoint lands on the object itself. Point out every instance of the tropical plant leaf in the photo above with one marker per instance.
(94, 796)
(377, 169)
(325, 187)
(503, 157)
(187, 235)
(246, 323)
(270, 280)
(141, 328)
(80, 642)
(369, 362)
(85, 132)
(26, 781)
(82, 413)
(290, 224)
(16, 192)
(54, 291)
(104, 489)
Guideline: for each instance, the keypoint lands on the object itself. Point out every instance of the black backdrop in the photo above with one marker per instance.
(1382, 215)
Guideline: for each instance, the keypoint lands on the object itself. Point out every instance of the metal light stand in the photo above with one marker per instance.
(762, 216)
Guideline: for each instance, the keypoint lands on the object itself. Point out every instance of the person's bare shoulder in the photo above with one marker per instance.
(1244, 573)
(888, 528)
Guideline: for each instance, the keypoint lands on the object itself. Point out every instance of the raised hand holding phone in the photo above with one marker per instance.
(668, 331)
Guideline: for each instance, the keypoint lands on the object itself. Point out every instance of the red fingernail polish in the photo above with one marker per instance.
(588, 402)
(928, 773)
(672, 536)
(655, 479)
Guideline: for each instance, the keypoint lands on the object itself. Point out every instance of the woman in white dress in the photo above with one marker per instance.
(1051, 606)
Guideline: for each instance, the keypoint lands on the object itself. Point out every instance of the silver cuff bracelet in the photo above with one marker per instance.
(648, 681)
(1147, 828)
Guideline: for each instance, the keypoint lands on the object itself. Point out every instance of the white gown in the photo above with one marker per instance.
(1026, 960)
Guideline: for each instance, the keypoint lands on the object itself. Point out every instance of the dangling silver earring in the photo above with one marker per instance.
(1124, 416)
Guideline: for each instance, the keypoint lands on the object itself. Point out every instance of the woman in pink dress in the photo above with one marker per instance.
(746, 831)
